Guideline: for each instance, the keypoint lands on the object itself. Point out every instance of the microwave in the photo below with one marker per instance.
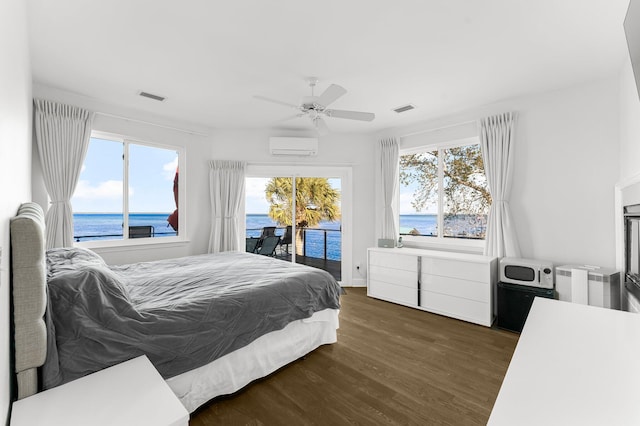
(531, 272)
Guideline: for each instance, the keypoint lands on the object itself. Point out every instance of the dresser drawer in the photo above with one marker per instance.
(394, 260)
(470, 271)
(393, 293)
(473, 290)
(394, 276)
(457, 307)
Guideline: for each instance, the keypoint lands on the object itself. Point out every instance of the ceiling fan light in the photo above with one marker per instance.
(315, 107)
(321, 126)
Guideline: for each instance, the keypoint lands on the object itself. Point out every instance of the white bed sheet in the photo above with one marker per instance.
(260, 358)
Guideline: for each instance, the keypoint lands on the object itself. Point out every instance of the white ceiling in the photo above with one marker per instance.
(210, 57)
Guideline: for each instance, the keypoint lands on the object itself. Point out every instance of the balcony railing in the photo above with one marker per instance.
(132, 234)
(313, 246)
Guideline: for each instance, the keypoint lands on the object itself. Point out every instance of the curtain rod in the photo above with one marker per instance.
(300, 163)
(178, 129)
(439, 128)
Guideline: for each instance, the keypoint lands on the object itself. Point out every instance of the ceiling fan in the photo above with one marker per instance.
(315, 107)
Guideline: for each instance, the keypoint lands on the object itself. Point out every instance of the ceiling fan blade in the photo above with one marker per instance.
(332, 93)
(263, 98)
(351, 115)
(321, 126)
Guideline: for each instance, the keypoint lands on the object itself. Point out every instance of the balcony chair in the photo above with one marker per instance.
(286, 239)
(252, 244)
(268, 246)
(268, 231)
(145, 231)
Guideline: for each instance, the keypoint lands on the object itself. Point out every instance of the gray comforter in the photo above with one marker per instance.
(182, 313)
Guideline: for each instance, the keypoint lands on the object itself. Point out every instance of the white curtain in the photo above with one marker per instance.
(497, 141)
(62, 135)
(226, 184)
(389, 158)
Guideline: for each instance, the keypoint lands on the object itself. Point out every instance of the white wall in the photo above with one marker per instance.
(629, 124)
(356, 151)
(566, 165)
(565, 173)
(565, 168)
(15, 156)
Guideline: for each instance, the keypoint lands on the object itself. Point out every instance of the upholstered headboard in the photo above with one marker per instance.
(28, 288)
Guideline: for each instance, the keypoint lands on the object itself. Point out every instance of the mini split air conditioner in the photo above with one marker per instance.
(300, 147)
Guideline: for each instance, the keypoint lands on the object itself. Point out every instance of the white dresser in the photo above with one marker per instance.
(458, 285)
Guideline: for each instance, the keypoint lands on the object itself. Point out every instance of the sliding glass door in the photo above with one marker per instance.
(266, 217)
(305, 212)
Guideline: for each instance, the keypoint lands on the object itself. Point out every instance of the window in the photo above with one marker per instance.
(103, 210)
(443, 192)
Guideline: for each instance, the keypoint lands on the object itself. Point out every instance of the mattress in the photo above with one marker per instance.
(260, 358)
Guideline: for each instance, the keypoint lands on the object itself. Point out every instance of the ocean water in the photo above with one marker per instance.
(108, 226)
(465, 226)
(314, 237)
(105, 226)
(424, 224)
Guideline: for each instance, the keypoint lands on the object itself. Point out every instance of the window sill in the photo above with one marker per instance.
(133, 244)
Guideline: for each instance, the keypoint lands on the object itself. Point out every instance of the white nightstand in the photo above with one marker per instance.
(131, 393)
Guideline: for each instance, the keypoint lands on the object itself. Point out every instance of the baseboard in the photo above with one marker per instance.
(356, 282)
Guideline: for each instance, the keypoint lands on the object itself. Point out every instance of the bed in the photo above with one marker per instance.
(210, 324)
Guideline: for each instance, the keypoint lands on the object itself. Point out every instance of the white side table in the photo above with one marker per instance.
(574, 365)
(131, 393)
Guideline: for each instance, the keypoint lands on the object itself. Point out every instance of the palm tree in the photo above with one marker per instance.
(315, 199)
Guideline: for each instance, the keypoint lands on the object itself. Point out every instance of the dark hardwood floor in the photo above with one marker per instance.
(392, 365)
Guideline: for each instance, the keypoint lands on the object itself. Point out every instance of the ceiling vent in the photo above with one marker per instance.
(404, 108)
(298, 147)
(152, 96)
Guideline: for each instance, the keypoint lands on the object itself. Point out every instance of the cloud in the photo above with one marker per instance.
(405, 203)
(254, 187)
(254, 195)
(169, 169)
(406, 198)
(110, 189)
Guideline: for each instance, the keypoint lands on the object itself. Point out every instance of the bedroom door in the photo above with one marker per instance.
(306, 210)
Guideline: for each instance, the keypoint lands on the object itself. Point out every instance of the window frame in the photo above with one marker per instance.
(439, 241)
(182, 217)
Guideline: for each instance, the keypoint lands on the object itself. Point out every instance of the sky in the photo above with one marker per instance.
(256, 202)
(151, 173)
(406, 196)
(99, 189)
